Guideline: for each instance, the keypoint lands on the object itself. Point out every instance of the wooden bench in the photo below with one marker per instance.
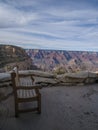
(24, 92)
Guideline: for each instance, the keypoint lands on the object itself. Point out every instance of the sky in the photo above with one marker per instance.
(50, 24)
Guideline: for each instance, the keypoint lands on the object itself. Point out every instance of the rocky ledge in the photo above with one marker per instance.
(46, 79)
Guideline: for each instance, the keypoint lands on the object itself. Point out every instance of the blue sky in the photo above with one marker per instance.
(50, 24)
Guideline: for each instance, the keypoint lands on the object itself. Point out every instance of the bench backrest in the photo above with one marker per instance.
(16, 75)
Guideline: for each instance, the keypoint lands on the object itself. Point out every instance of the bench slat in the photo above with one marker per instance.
(26, 93)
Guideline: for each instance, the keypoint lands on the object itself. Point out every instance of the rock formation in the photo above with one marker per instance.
(64, 61)
(13, 55)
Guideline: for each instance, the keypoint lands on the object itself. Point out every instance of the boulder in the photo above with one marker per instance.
(38, 73)
(80, 77)
(5, 92)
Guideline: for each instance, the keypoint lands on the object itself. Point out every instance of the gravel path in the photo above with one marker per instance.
(63, 108)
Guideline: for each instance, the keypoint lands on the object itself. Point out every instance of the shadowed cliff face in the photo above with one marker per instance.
(13, 55)
(66, 60)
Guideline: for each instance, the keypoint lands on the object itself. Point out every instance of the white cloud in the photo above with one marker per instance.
(11, 17)
(54, 27)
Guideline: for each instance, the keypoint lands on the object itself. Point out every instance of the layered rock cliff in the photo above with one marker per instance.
(13, 55)
(64, 61)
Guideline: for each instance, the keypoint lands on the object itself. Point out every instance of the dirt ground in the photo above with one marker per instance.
(63, 108)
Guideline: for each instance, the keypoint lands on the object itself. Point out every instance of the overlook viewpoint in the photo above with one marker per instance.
(69, 99)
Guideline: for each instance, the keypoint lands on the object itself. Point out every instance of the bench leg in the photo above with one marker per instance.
(39, 104)
(16, 109)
